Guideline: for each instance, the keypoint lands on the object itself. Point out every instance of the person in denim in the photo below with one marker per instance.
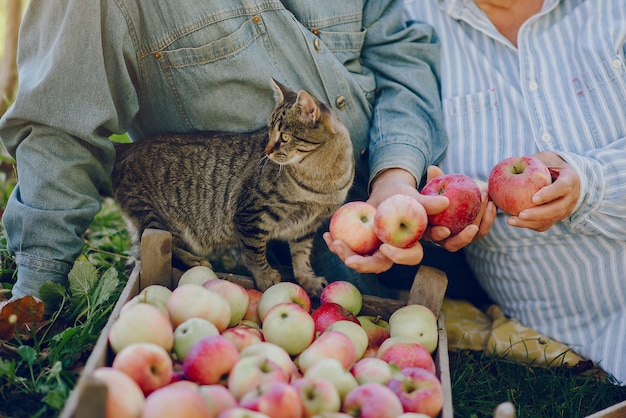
(89, 69)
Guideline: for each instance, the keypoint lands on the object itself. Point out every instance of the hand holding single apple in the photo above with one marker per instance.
(514, 180)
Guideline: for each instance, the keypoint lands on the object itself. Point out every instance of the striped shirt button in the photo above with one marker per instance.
(533, 86)
(546, 138)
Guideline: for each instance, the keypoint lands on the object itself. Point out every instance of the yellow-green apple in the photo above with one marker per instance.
(373, 370)
(141, 322)
(252, 313)
(190, 331)
(514, 180)
(355, 332)
(273, 352)
(283, 292)
(330, 312)
(250, 372)
(217, 398)
(243, 336)
(289, 326)
(400, 221)
(418, 322)
(376, 328)
(147, 364)
(330, 344)
(372, 400)
(236, 296)
(419, 391)
(195, 301)
(353, 223)
(197, 275)
(175, 401)
(239, 412)
(332, 370)
(276, 399)
(124, 396)
(317, 395)
(345, 294)
(406, 353)
(155, 294)
(210, 359)
(464, 196)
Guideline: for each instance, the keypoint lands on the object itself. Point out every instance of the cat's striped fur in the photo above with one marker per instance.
(213, 189)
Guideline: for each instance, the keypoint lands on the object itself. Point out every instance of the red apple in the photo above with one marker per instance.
(289, 326)
(141, 323)
(283, 292)
(124, 396)
(239, 412)
(419, 391)
(372, 370)
(217, 398)
(272, 352)
(243, 336)
(514, 180)
(330, 312)
(343, 293)
(210, 359)
(376, 328)
(147, 364)
(406, 353)
(353, 223)
(330, 344)
(355, 332)
(193, 300)
(252, 313)
(250, 372)
(372, 400)
(175, 401)
(465, 200)
(317, 395)
(236, 296)
(276, 399)
(400, 221)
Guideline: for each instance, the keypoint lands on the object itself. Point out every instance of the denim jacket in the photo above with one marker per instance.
(91, 68)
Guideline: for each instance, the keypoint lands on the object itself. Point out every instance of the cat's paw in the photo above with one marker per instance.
(267, 280)
(313, 285)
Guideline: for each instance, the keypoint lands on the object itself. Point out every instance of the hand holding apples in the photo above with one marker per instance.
(514, 180)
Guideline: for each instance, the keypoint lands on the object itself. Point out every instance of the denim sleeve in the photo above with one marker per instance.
(67, 105)
(407, 129)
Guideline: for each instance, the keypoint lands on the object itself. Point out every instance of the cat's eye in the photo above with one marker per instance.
(285, 137)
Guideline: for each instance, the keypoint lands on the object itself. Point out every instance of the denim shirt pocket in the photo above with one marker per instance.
(467, 118)
(601, 91)
(200, 76)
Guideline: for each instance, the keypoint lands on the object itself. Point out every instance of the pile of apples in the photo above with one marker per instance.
(212, 348)
(401, 220)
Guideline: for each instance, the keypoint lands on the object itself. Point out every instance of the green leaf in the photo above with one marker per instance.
(106, 286)
(29, 354)
(56, 398)
(52, 294)
(7, 368)
(82, 278)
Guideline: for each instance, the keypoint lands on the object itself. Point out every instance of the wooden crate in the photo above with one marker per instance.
(87, 400)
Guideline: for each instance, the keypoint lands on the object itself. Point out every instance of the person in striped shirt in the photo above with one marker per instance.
(544, 78)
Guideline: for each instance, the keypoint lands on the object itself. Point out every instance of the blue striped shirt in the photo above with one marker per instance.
(562, 89)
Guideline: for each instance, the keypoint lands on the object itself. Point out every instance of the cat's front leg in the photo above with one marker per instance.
(187, 259)
(303, 272)
(255, 260)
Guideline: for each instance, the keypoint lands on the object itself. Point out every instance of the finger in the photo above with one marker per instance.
(376, 263)
(460, 240)
(432, 172)
(407, 256)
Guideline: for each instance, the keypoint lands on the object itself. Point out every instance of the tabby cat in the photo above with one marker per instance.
(216, 190)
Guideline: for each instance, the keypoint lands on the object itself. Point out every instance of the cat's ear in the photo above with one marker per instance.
(280, 91)
(310, 109)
